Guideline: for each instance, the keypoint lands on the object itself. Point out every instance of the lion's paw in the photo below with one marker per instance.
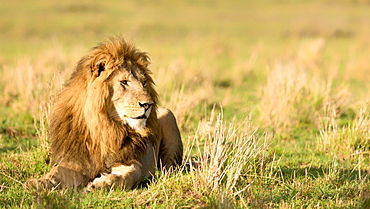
(99, 182)
(39, 184)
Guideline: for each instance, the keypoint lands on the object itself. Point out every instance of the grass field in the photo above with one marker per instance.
(272, 98)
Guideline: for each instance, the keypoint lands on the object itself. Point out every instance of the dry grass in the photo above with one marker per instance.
(29, 83)
(229, 152)
(295, 93)
(348, 140)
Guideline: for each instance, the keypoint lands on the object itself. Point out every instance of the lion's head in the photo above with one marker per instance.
(109, 101)
(119, 74)
(132, 102)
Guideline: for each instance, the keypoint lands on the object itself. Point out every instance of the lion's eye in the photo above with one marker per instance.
(124, 82)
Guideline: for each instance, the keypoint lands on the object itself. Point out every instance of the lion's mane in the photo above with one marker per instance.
(83, 135)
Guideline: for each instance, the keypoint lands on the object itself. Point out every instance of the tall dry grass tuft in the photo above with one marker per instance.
(42, 127)
(345, 141)
(290, 97)
(295, 95)
(227, 154)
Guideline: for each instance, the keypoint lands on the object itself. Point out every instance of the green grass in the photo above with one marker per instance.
(272, 98)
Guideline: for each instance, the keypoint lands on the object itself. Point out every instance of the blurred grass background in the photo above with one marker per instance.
(28, 27)
(247, 35)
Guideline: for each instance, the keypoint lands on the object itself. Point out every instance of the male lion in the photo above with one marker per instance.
(105, 127)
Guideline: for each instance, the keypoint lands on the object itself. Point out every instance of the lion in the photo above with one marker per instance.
(105, 127)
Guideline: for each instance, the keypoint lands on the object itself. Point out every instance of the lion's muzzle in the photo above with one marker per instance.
(139, 122)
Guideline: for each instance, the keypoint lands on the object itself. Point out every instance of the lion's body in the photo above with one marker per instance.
(104, 127)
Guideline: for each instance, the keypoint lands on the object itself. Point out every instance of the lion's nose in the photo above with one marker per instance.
(145, 105)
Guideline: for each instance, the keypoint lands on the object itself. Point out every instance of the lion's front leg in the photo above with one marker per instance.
(122, 175)
(170, 145)
(60, 175)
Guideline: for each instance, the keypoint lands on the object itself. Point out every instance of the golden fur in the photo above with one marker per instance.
(104, 127)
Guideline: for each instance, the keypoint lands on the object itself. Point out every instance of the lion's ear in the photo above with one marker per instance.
(144, 60)
(101, 68)
(98, 69)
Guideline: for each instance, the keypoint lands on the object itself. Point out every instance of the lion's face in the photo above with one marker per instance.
(132, 102)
